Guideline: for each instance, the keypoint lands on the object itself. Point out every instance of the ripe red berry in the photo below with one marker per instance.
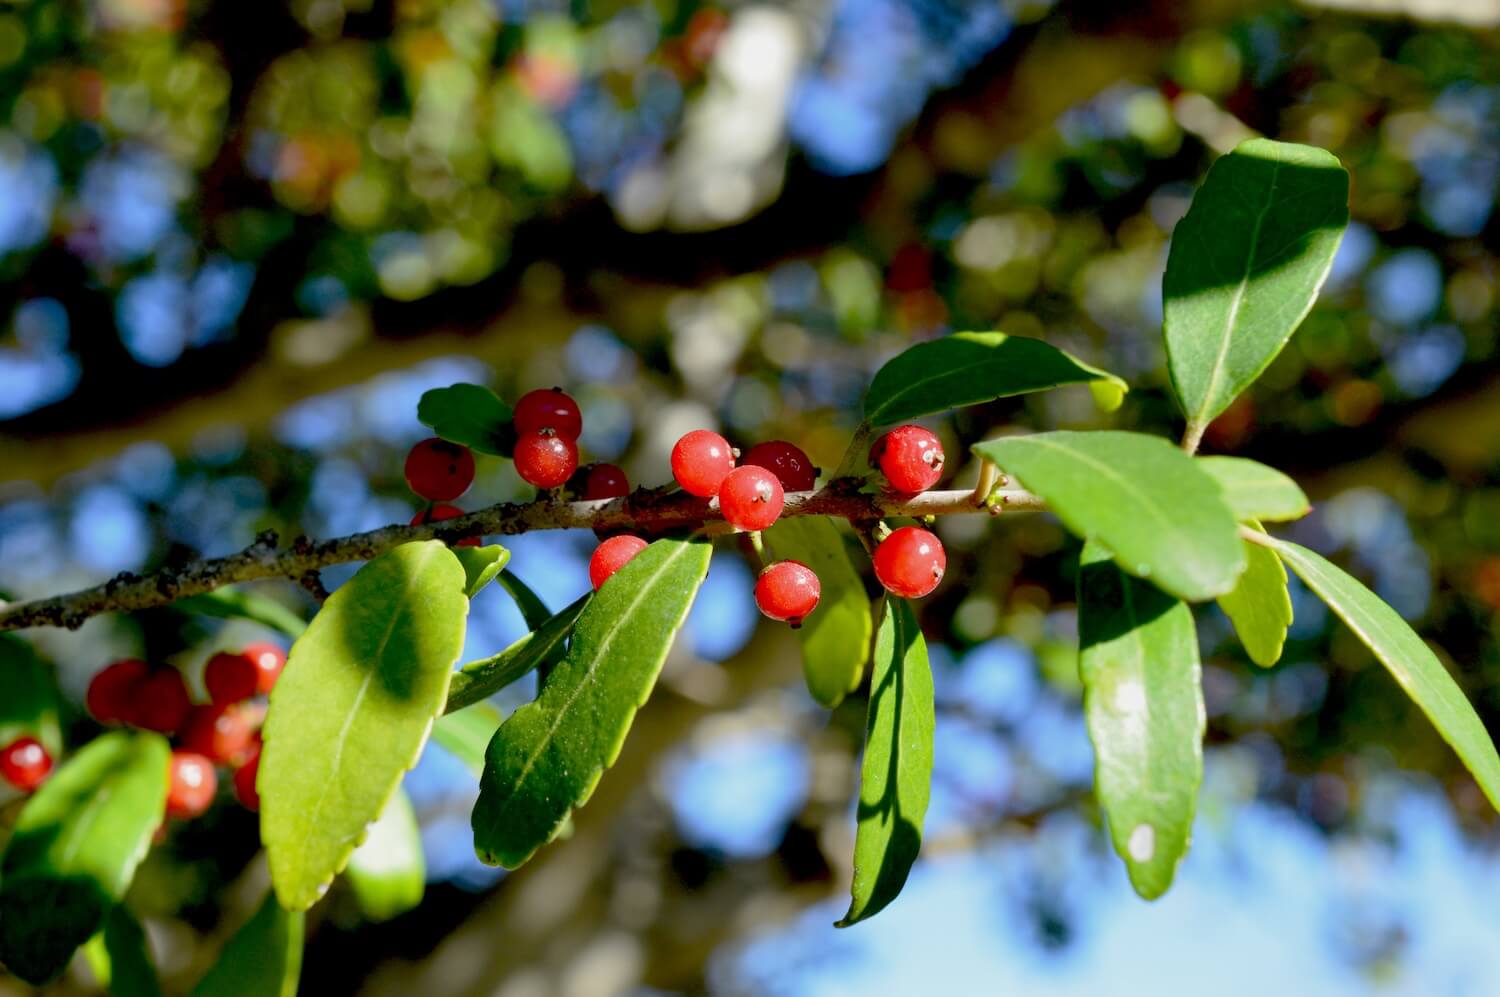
(440, 512)
(25, 764)
(232, 678)
(548, 408)
(751, 498)
(159, 702)
(910, 562)
(546, 460)
(910, 457)
(788, 591)
(112, 690)
(244, 782)
(701, 461)
(611, 556)
(222, 734)
(439, 471)
(605, 481)
(193, 784)
(787, 462)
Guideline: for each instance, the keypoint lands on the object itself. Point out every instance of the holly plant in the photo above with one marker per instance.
(319, 740)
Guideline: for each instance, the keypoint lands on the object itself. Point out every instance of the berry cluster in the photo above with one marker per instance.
(224, 731)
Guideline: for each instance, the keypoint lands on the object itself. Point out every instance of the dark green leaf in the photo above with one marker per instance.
(896, 774)
(1161, 514)
(353, 709)
(263, 959)
(547, 757)
(533, 610)
(131, 972)
(1245, 266)
(75, 849)
(1255, 491)
(968, 368)
(836, 636)
(388, 873)
(542, 647)
(29, 700)
(1143, 701)
(234, 604)
(469, 414)
(481, 565)
(1407, 657)
(465, 733)
(1260, 605)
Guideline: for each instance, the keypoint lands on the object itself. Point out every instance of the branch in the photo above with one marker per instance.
(645, 511)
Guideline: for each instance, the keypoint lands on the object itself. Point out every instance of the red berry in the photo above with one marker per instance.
(910, 562)
(440, 512)
(605, 481)
(548, 408)
(439, 471)
(25, 764)
(701, 461)
(611, 556)
(269, 660)
(232, 678)
(751, 498)
(789, 463)
(112, 690)
(159, 702)
(244, 782)
(910, 457)
(788, 591)
(545, 460)
(222, 734)
(193, 784)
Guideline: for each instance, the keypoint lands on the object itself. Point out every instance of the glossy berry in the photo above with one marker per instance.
(605, 481)
(546, 460)
(788, 463)
(787, 591)
(751, 498)
(440, 512)
(25, 764)
(701, 461)
(112, 690)
(438, 470)
(232, 678)
(910, 457)
(222, 734)
(159, 702)
(193, 784)
(910, 562)
(548, 409)
(244, 782)
(611, 556)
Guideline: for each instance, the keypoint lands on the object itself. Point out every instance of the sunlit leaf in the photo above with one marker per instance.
(469, 414)
(835, 636)
(1255, 491)
(542, 647)
(1260, 605)
(387, 873)
(263, 959)
(481, 565)
(29, 699)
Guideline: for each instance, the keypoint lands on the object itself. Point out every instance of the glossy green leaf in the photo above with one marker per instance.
(1163, 516)
(968, 368)
(232, 604)
(1143, 702)
(481, 565)
(1245, 266)
(464, 734)
(547, 757)
(263, 959)
(1416, 669)
(835, 636)
(1260, 607)
(542, 647)
(75, 848)
(387, 873)
(469, 414)
(1255, 491)
(29, 699)
(131, 971)
(353, 709)
(896, 774)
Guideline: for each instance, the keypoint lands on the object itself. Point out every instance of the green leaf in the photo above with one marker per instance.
(1245, 266)
(75, 848)
(387, 873)
(1143, 702)
(1260, 605)
(29, 699)
(465, 733)
(469, 414)
(1161, 514)
(481, 565)
(1255, 491)
(896, 774)
(547, 757)
(533, 610)
(542, 647)
(968, 368)
(835, 636)
(1416, 669)
(353, 709)
(231, 604)
(263, 959)
(131, 972)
